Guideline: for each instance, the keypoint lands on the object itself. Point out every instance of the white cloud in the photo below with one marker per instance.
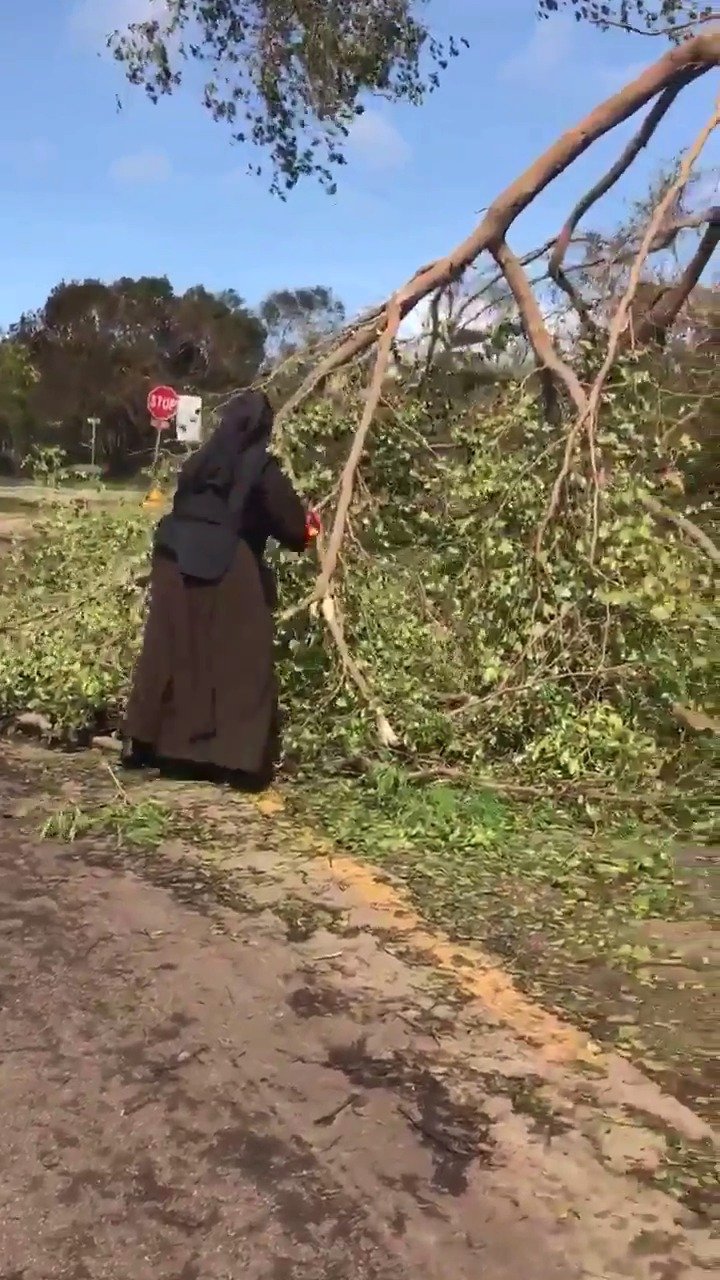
(141, 169)
(547, 49)
(376, 142)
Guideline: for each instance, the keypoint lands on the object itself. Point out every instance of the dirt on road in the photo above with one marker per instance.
(192, 1090)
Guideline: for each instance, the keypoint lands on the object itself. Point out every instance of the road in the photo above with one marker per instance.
(184, 1097)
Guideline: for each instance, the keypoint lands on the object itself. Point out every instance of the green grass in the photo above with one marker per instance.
(490, 870)
(569, 906)
(30, 497)
(139, 824)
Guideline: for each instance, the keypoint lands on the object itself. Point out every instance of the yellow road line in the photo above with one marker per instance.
(473, 971)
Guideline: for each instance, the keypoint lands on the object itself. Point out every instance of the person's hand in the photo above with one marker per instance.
(313, 525)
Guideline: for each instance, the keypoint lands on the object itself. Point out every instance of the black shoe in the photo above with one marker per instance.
(136, 755)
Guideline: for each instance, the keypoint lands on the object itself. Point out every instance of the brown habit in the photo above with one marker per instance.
(204, 690)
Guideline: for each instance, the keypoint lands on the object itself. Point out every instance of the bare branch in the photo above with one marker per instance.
(347, 480)
(601, 188)
(434, 331)
(359, 337)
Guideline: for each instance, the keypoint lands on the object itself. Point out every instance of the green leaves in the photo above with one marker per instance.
(287, 77)
(71, 618)
(522, 878)
(675, 18)
(18, 375)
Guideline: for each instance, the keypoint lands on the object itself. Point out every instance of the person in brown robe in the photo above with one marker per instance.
(204, 692)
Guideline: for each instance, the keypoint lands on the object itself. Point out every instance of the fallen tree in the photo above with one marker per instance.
(500, 590)
(663, 82)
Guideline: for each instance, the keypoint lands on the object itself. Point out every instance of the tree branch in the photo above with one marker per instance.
(329, 558)
(381, 325)
(656, 322)
(434, 316)
(331, 617)
(347, 480)
(688, 527)
(673, 29)
(621, 165)
(691, 58)
(667, 235)
(538, 336)
(601, 188)
(588, 413)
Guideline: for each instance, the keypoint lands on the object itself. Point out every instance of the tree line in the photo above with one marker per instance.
(94, 350)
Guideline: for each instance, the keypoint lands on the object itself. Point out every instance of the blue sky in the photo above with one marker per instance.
(92, 191)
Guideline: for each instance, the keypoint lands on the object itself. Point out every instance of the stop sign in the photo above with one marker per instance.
(162, 403)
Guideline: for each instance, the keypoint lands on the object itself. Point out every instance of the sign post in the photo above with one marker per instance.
(158, 426)
(162, 405)
(93, 424)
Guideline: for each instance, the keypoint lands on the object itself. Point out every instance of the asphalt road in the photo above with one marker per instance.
(166, 1114)
(184, 1097)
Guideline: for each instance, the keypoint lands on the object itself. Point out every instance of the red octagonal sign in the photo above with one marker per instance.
(162, 403)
